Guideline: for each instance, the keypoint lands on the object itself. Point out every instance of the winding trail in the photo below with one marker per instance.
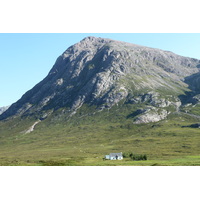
(191, 115)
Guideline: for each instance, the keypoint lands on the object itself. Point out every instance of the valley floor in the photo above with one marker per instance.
(170, 142)
(80, 161)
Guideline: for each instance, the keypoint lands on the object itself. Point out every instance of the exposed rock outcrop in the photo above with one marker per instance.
(151, 114)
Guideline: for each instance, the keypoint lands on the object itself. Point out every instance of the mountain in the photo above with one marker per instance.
(3, 109)
(104, 96)
(104, 73)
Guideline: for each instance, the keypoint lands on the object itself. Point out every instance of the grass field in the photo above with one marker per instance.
(84, 141)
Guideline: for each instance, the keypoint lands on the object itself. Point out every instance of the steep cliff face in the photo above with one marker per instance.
(104, 72)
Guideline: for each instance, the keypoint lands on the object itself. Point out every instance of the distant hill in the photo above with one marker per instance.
(3, 109)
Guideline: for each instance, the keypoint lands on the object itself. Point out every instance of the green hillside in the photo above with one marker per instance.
(84, 140)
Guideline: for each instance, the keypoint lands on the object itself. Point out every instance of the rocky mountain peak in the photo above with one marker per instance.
(88, 43)
(104, 72)
(92, 39)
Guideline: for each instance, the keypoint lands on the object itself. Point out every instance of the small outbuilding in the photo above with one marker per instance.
(114, 156)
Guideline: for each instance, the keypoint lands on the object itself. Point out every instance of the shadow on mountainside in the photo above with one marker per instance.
(193, 83)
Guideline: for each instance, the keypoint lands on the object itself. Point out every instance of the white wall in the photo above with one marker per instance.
(113, 158)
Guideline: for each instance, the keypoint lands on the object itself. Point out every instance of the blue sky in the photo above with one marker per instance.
(25, 59)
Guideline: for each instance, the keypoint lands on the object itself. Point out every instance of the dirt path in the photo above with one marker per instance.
(30, 129)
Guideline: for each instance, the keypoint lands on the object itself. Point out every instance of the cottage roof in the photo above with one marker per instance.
(116, 154)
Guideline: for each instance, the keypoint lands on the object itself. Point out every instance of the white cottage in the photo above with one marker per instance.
(114, 156)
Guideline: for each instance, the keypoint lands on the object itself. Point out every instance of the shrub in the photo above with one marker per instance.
(126, 155)
(145, 157)
(135, 156)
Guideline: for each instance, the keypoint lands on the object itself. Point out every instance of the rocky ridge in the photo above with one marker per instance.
(103, 73)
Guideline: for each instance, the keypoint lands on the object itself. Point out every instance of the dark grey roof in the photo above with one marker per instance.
(115, 154)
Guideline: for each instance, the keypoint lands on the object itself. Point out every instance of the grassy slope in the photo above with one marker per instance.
(86, 139)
